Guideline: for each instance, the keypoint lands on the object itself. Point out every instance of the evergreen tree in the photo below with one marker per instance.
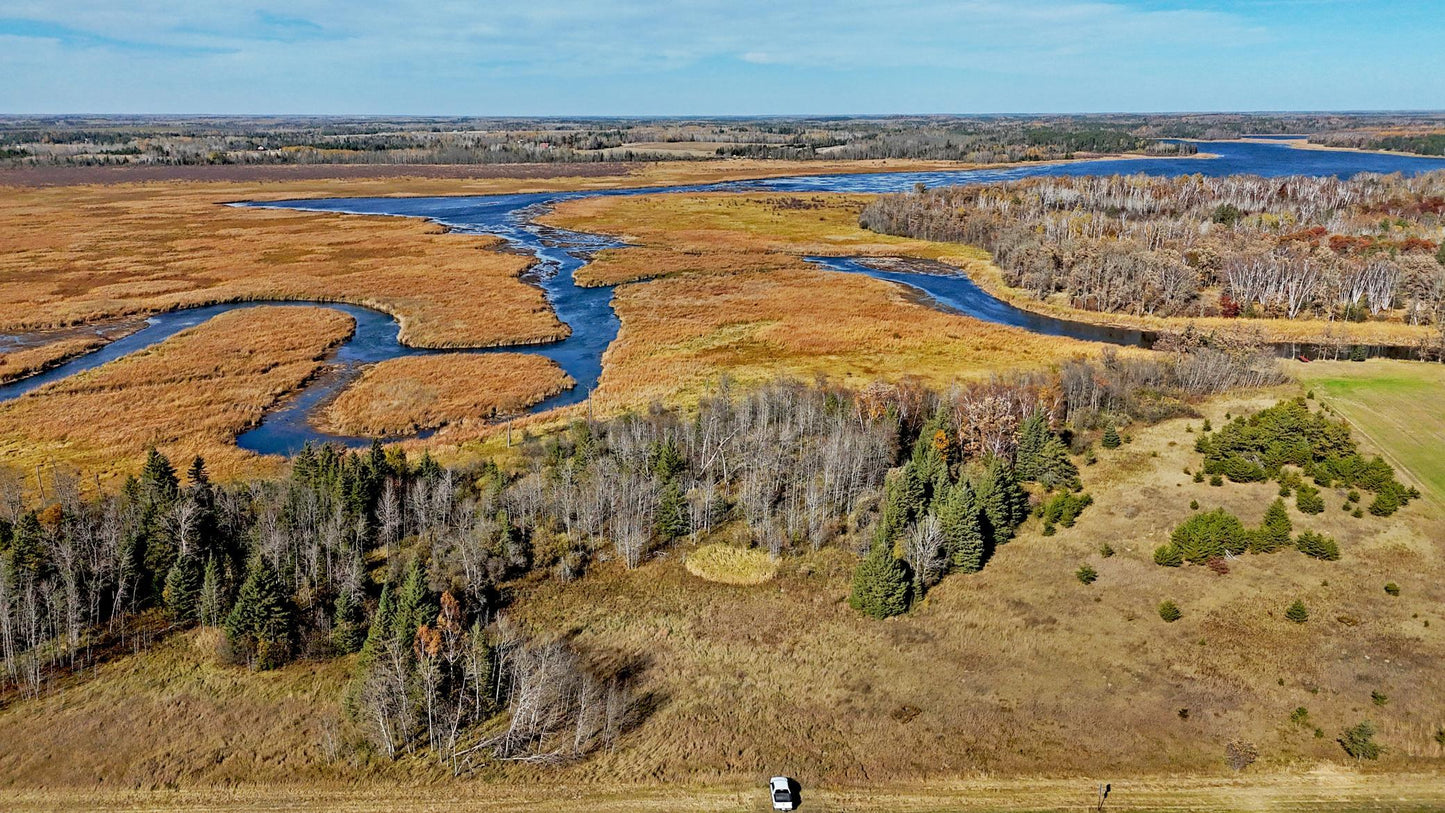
(27, 545)
(212, 600)
(1033, 436)
(196, 474)
(348, 628)
(962, 533)
(183, 590)
(673, 520)
(1308, 500)
(903, 500)
(1005, 505)
(158, 476)
(1111, 438)
(414, 606)
(1297, 612)
(1275, 531)
(260, 623)
(881, 584)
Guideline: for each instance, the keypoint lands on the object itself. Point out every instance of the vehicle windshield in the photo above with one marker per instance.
(780, 795)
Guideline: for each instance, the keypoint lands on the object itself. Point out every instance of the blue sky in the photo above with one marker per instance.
(681, 57)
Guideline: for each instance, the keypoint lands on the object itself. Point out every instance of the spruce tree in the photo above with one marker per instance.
(348, 628)
(260, 623)
(1297, 612)
(158, 476)
(212, 600)
(881, 584)
(1275, 531)
(1033, 436)
(183, 590)
(962, 533)
(1111, 438)
(27, 545)
(672, 521)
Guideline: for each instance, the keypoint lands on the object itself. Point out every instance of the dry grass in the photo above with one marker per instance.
(187, 395)
(80, 255)
(405, 395)
(28, 361)
(730, 564)
(174, 716)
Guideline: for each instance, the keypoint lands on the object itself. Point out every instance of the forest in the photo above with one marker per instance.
(412, 564)
(1240, 246)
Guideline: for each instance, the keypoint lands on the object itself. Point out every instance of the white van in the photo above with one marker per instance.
(782, 791)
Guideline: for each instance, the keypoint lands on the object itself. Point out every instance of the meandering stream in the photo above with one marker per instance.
(588, 311)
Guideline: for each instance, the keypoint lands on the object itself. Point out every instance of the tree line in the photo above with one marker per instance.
(1364, 248)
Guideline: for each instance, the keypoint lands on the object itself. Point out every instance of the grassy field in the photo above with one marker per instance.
(404, 395)
(1399, 405)
(187, 395)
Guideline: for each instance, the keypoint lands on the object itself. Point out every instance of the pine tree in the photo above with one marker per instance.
(881, 584)
(413, 603)
(260, 623)
(1111, 438)
(962, 533)
(183, 590)
(1004, 503)
(212, 599)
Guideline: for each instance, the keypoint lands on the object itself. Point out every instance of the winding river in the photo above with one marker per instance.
(588, 311)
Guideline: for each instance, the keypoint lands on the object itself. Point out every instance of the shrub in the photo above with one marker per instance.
(1170, 612)
(1318, 546)
(1297, 612)
(1300, 716)
(1357, 513)
(1240, 754)
(1379, 698)
(1194, 505)
(1216, 480)
(1392, 588)
(1064, 508)
(1106, 550)
(1309, 501)
(1198, 476)
(1359, 741)
(1086, 574)
(1353, 496)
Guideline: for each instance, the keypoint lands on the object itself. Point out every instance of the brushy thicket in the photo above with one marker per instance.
(1355, 249)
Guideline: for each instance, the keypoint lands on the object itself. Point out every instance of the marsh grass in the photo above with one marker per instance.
(190, 394)
(408, 394)
(731, 564)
